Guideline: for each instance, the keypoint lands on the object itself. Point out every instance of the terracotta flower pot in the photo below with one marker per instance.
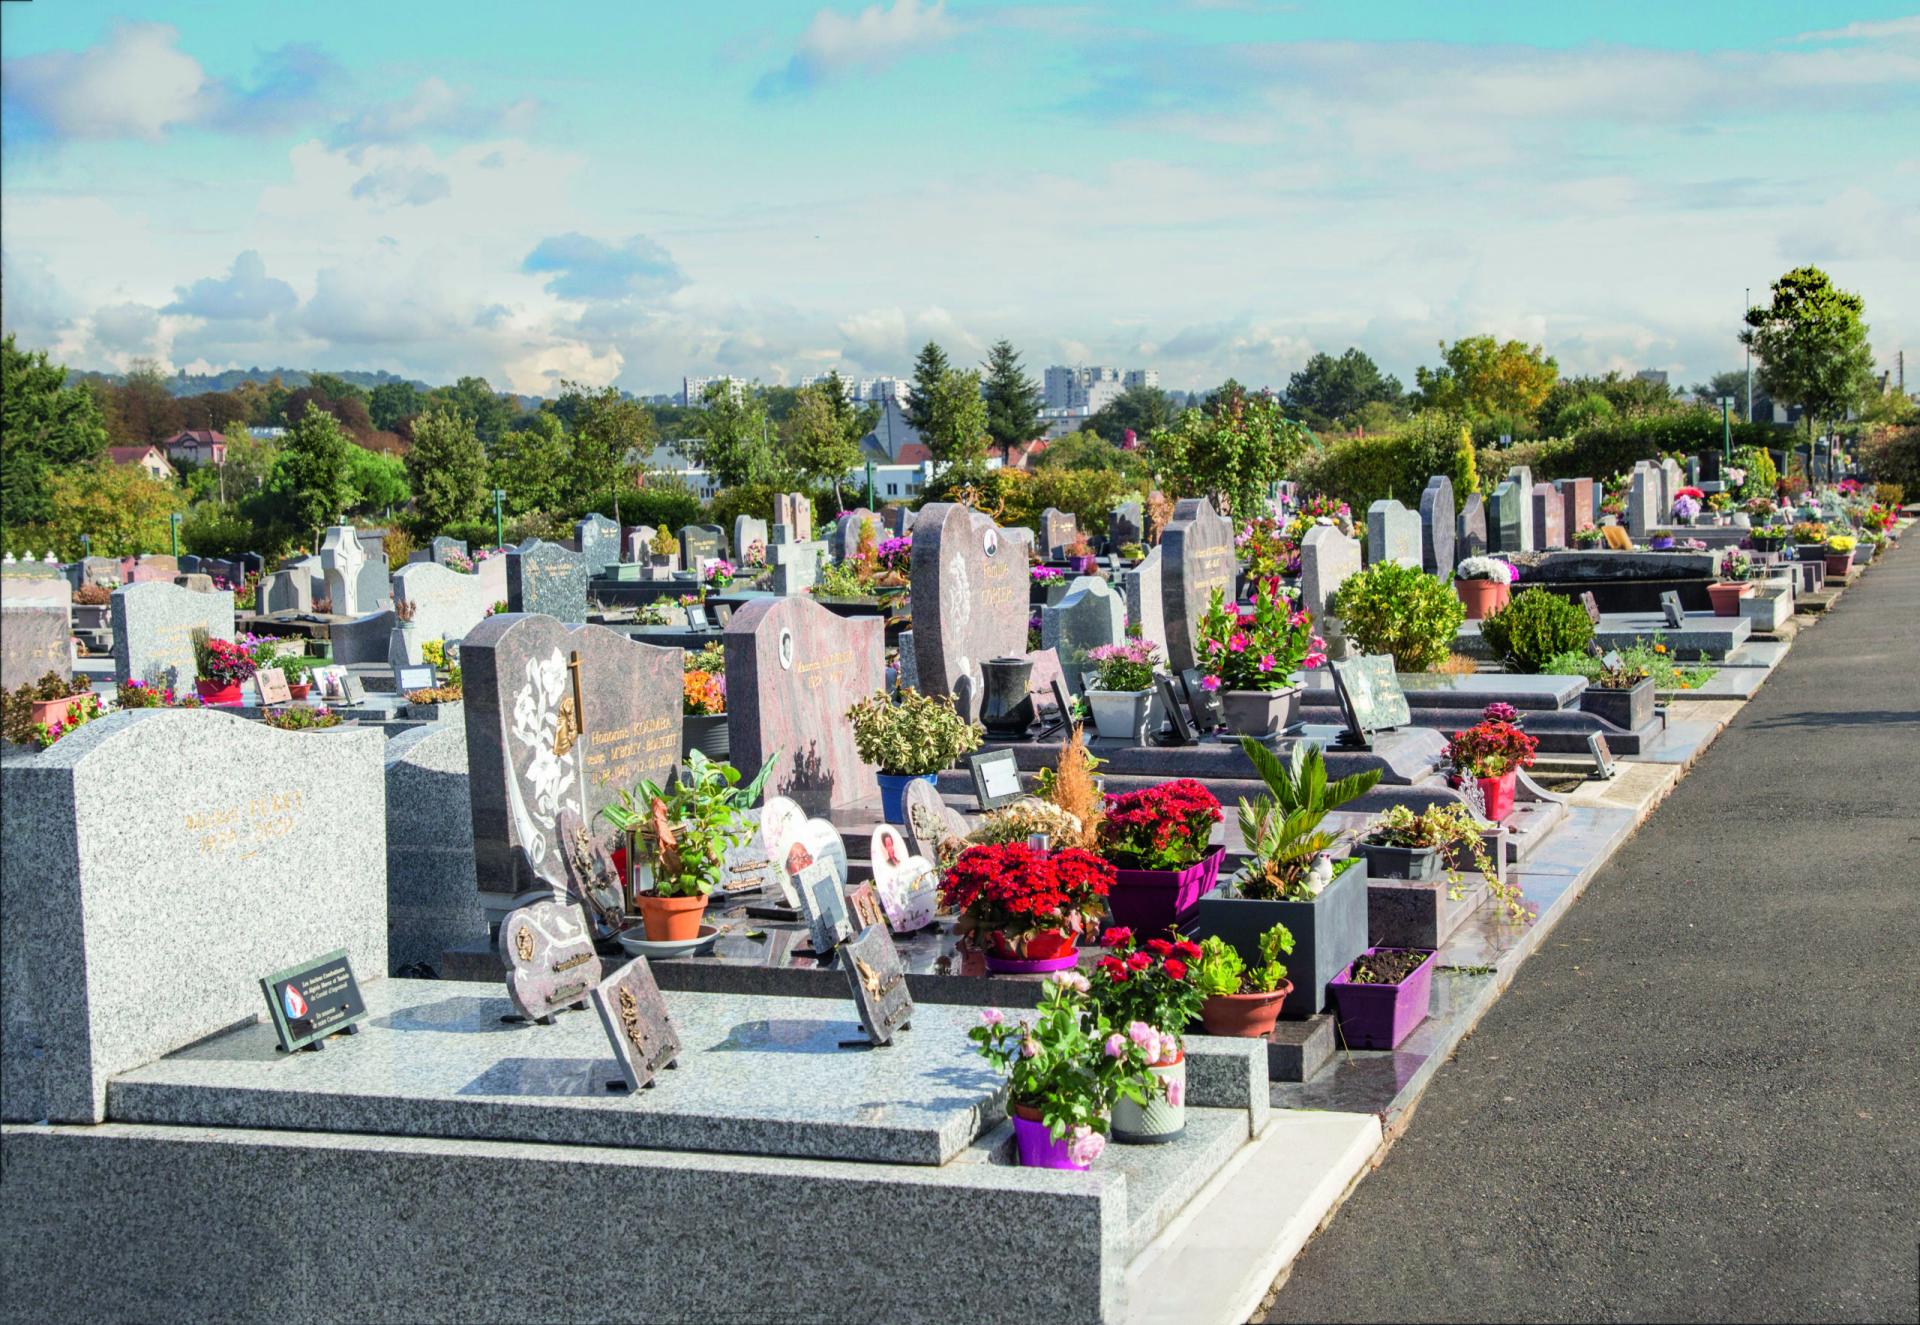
(51, 711)
(1726, 597)
(671, 919)
(299, 689)
(1482, 597)
(1248, 1016)
(1838, 564)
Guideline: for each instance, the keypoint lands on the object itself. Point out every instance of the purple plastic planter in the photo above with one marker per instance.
(1381, 1016)
(1149, 902)
(1038, 1149)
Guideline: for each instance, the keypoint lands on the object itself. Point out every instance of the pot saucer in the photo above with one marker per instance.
(637, 944)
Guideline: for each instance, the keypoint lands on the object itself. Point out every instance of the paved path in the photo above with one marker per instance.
(1701, 1099)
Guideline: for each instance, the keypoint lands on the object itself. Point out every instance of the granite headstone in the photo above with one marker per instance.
(547, 579)
(153, 627)
(1198, 558)
(1437, 528)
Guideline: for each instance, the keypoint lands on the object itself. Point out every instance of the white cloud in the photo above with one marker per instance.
(136, 83)
(878, 36)
(246, 293)
(1874, 30)
(398, 186)
(435, 108)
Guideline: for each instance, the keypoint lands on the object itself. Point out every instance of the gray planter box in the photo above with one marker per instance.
(1328, 933)
(448, 712)
(91, 616)
(1627, 709)
(1388, 862)
(1404, 914)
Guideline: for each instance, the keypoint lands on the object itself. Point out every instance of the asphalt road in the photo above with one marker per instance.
(1701, 1099)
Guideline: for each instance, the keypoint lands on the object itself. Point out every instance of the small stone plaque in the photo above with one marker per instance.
(634, 1016)
(863, 903)
(311, 1001)
(1671, 609)
(1602, 756)
(272, 684)
(879, 983)
(1612, 660)
(547, 951)
(1592, 606)
(696, 616)
(1176, 711)
(823, 900)
(908, 888)
(930, 822)
(1205, 706)
(746, 868)
(996, 778)
(406, 679)
(1370, 698)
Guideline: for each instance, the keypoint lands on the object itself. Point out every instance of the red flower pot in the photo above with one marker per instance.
(299, 689)
(217, 692)
(1726, 597)
(1838, 564)
(1498, 793)
(1150, 902)
(1482, 597)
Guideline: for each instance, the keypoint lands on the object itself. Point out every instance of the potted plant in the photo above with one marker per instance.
(1123, 694)
(1810, 540)
(1840, 554)
(704, 703)
(38, 713)
(221, 667)
(1149, 989)
(1383, 996)
(1250, 656)
(296, 666)
(1622, 695)
(914, 738)
(1131, 552)
(1726, 592)
(680, 834)
(1241, 1000)
(1061, 1081)
(1686, 505)
(1768, 538)
(1291, 877)
(719, 574)
(1537, 626)
(1025, 908)
(1492, 753)
(1483, 584)
(1080, 558)
(1589, 537)
(1047, 585)
(664, 547)
(1157, 841)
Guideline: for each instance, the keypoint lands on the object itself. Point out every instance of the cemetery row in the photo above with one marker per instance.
(916, 899)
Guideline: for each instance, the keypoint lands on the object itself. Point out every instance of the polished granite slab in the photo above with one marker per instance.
(1703, 633)
(757, 1076)
(1406, 757)
(1469, 693)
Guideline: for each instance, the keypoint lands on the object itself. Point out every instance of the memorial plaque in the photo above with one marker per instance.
(1370, 697)
(863, 905)
(996, 778)
(1602, 755)
(1198, 558)
(1670, 608)
(1612, 660)
(546, 949)
(272, 685)
(906, 883)
(1204, 704)
(823, 901)
(1591, 605)
(930, 820)
(696, 614)
(352, 689)
(634, 1016)
(1176, 711)
(311, 1001)
(879, 983)
(407, 679)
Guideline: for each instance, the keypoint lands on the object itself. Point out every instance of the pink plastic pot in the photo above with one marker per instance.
(1381, 1016)
(1498, 794)
(1150, 902)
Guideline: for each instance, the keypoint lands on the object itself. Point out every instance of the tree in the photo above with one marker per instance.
(249, 460)
(1329, 390)
(1484, 378)
(1230, 451)
(119, 508)
(447, 468)
(1088, 450)
(1812, 345)
(377, 480)
(46, 424)
(821, 446)
(491, 412)
(313, 470)
(1013, 401)
(1733, 382)
(210, 410)
(929, 370)
(336, 388)
(1137, 410)
(608, 432)
(529, 464)
(351, 411)
(956, 431)
(733, 438)
(392, 402)
(143, 409)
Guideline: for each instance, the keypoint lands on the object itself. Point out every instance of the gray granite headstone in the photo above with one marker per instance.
(844, 541)
(1643, 500)
(444, 549)
(1393, 534)
(796, 566)
(287, 591)
(189, 565)
(188, 847)
(103, 571)
(153, 627)
(544, 735)
(1437, 527)
(747, 531)
(1146, 604)
(795, 511)
(432, 900)
(1472, 529)
(1091, 615)
(1127, 524)
(793, 670)
(36, 637)
(1198, 558)
(341, 559)
(1522, 479)
(1503, 518)
(446, 603)
(1549, 519)
(1058, 529)
(599, 540)
(195, 583)
(1670, 485)
(376, 584)
(968, 584)
(1327, 558)
(547, 579)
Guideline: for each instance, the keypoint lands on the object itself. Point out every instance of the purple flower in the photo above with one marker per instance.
(1499, 712)
(1116, 1045)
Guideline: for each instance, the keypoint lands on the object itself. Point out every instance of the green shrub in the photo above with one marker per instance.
(1397, 464)
(1757, 461)
(216, 531)
(1390, 608)
(755, 499)
(1892, 455)
(1535, 627)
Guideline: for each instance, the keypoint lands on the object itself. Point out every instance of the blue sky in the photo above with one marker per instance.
(620, 192)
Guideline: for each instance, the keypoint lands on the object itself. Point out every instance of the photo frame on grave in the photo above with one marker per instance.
(634, 1016)
(408, 679)
(823, 901)
(1603, 765)
(271, 682)
(1182, 727)
(996, 778)
(1208, 713)
(696, 615)
(722, 614)
(314, 1000)
(546, 949)
(908, 888)
(1672, 611)
(878, 980)
(331, 681)
(1591, 605)
(352, 691)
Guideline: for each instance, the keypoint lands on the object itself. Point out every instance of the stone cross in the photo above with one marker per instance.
(341, 560)
(1199, 558)
(1393, 534)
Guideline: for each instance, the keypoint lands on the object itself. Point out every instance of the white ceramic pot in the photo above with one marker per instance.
(1164, 1118)
(1120, 715)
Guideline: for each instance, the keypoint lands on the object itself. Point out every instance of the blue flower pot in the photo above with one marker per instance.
(893, 794)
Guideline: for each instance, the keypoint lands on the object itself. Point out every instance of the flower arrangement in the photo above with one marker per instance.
(1127, 667)
(1024, 819)
(1449, 828)
(92, 595)
(1281, 829)
(1760, 508)
(78, 715)
(755, 554)
(1059, 1066)
(1768, 536)
(1153, 984)
(459, 561)
(1484, 568)
(1317, 509)
(1734, 565)
(919, 735)
(1719, 502)
(1491, 749)
(652, 613)
(1876, 516)
(1588, 537)
(1268, 552)
(719, 573)
(1842, 543)
(1132, 551)
(1080, 547)
(447, 694)
(704, 694)
(1698, 494)
(1220, 971)
(497, 608)
(221, 660)
(1809, 531)
(301, 719)
(895, 554)
(1638, 660)
(140, 695)
(1499, 711)
(1258, 649)
(1010, 894)
(1685, 507)
(1046, 574)
(1165, 827)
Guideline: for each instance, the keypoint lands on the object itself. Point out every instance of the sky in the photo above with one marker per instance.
(612, 192)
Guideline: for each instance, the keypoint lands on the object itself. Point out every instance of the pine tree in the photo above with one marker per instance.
(929, 370)
(49, 425)
(1013, 400)
(447, 467)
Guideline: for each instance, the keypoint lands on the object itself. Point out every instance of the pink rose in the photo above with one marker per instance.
(1116, 1045)
(992, 1016)
(1085, 1145)
(1029, 1048)
(1176, 1092)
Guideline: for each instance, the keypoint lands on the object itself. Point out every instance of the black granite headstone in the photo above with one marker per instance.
(1471, 530)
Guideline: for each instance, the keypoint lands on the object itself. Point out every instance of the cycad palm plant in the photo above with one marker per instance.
(1282, 829)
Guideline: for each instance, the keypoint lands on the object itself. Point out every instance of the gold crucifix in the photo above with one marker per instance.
(573, 710)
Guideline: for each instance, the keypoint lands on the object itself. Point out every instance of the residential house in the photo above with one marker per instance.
(150, 458)
(197, 446)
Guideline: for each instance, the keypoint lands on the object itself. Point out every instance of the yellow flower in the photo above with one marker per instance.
(1659, 648)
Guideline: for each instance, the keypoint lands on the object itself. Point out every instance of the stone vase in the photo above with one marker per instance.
(1261, 714)
(1008, 708)
(403, 646)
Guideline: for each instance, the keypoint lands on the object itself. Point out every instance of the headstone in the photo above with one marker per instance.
(796, 566)
(1127, 524)
(1471, 529)
(1199, 558)
(793, 670)
(149, 566)
(547, 579)
(699, 544)
(1021, 539)
(795, 511)
(143, 833)
(930, 820)
(98, 570)
(599, 540)
(747, 531)
(635, 549)
(195, 583)
(444, 549)
(341, 560)
(1671, 610)
(1146, 605)
(1370, 697)
(638, 1027)
(1327, 558)
(879, 983)
(844, 540)
(1505, 529)
(1522, 479)
(446, 603)
(778, 534)
(1394, 533)
(545, 736)
(36, 633)
(375, 591)
(546, 949)
(1091, 615)
(189, 565)
(1644, 508)
(1549, 519)
(153, 627)
(1058, 530)
(1576, 501)
(1670, 485)
(1437, 527)
(969, 589)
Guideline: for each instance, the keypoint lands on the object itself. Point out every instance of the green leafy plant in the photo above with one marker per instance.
(840, 579)
(1450, 829)
(1220, 972)
(1402, 610)
(1637, 660)
(301, 719)
(663, 543)
(683, 830)
(1282, 828)
(919, 735)
(1132, 551)
(654, 612)
(1534, 627)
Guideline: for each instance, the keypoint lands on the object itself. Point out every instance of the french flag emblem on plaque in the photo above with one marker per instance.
(295, 1004)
